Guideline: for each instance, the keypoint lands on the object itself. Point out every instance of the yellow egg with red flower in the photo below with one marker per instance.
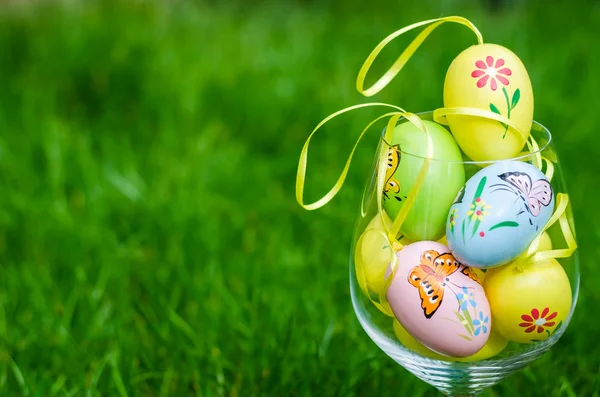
(528, 301)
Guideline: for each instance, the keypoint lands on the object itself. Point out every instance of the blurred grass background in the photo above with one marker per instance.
(150, 241)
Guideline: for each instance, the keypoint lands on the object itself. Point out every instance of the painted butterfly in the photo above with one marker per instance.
(393, 161)
(534, 194)
(430, 277)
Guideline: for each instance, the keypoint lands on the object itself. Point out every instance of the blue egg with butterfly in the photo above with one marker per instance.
(498, 213)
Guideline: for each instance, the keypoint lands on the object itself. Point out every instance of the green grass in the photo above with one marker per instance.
(150, 241)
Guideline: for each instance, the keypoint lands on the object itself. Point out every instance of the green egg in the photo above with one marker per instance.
(446, 175)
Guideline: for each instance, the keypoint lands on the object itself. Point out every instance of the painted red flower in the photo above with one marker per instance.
(488, 71)
(535, 320)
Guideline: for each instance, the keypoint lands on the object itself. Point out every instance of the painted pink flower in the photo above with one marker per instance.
(487, 71)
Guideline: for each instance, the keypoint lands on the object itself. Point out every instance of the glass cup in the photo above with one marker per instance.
(451, 376)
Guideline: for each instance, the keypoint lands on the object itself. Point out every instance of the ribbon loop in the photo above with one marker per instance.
(560, 215)
(534, 149)
(406, 54)
(390, 234)
(301, 175)
(549, 168)
(393, 231)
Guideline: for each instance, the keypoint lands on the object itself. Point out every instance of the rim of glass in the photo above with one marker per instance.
(535, 126)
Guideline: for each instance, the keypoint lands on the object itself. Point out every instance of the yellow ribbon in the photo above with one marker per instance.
(393, 231)
(549, 168)
(534, 148)
(301, 175)
(406, 54)
(411, 196)
(560, 214)
(538, 159)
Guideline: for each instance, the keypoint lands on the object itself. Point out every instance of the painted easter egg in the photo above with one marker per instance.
(372, 254)
(545, 242)
(498, 213)
(414, 345)
(528, 301)
(427, 216)
(495, 344)
(492, 78)
(439, 301)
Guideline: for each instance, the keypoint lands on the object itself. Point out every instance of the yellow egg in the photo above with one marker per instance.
(495, 344)
(373, 253)
(492, 78)
(545, 243)
(479, 272)
(528, 302)
(412, 344)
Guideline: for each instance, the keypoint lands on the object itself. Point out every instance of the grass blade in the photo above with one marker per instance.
(116, 375)
(19, 377)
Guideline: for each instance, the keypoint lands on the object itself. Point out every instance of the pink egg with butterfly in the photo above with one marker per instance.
(498, 213)
(439, 301)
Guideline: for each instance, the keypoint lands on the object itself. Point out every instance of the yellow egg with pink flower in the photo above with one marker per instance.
(489, 78)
